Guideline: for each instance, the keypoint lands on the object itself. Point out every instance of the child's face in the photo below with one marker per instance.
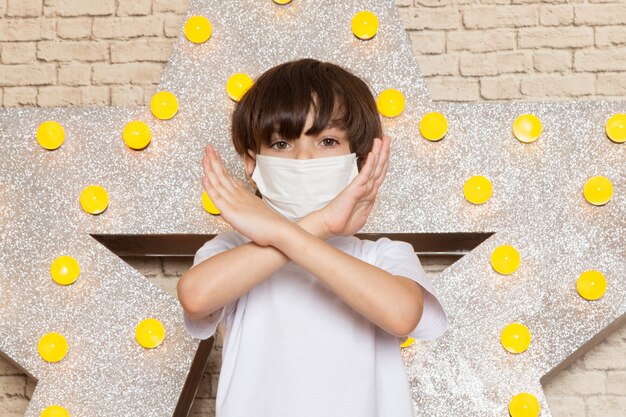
(329, 142)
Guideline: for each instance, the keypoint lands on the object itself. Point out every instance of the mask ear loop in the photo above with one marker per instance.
(249, 177)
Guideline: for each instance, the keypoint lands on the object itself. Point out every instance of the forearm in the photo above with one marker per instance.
(394, 303)
(228, 275)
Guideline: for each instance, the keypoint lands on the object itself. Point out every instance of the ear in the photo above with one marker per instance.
(249, 162)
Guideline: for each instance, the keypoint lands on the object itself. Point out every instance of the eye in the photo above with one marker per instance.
(330, 142)
(279, 142)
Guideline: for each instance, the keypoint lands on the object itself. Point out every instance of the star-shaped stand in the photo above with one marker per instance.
(537, 206)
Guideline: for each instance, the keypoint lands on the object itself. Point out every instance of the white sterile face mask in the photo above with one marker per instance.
(297, 187)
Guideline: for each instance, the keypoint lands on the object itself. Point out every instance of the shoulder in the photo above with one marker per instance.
(374, 251)
(219, 243)
(384, 247)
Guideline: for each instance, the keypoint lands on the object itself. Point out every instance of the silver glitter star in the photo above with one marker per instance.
(537, 206)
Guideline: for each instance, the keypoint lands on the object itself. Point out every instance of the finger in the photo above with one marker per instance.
(207, 167)
(376, 153)
(214, 196)
(381, 178)
(384, 157)
(378, 176)
(366, 170)
(221, 173)
(227, 175)
(219, 188)
(209, 156)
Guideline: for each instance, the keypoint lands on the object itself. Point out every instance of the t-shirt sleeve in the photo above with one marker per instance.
(399, 258)
(205, 327)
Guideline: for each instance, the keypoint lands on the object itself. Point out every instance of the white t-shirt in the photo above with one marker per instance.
(292, 347)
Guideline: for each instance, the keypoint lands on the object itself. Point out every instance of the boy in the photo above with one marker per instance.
(313, 315)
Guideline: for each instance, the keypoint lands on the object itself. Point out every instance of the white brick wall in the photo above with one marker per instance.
(112, 52)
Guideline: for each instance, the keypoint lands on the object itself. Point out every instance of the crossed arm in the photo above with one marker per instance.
(392, 302)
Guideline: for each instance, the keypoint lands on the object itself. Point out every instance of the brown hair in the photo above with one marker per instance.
(280, 99)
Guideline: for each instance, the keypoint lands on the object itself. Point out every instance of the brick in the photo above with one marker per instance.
(441, 3)
(494, 63)
(556, 15)
(488, 2)
(479, 64)
(27, 74)
(19, 53)
(600, 60)
(425, 42)
(453, 89)
(7, 367)
(566, 405)
(173, 25)
(176, 266)
(24, 8)
(514, 61)
(481, 40)
(74, 74)
(12, 385)
(438, 65)
(27, 29)
(127, 27)
(600, 14)
(157, 50)
(13, 406)
(611, 83)
(558, 85)
(82, 7)
(606, 356)
(576, 380)
(167, 284)
(84, 51)
(20, 96)
(611, 36)
(175, 6)
(606, 406)
(94, 95)
(3, 7)
(543, 1)
(618, 336)
(422, 18)
(134, 8)
(549, 60)
(149, 90)
(485, 17)
(31, 383)
(616, 382)
(561, 37)
(74, 27)
(148, 266)
(500, 88)
(58, 96)
(133, 73)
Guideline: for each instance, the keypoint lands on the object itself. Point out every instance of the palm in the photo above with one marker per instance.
(348, 211)
(244, 211)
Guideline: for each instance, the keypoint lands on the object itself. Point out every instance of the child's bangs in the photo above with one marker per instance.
(285, 114)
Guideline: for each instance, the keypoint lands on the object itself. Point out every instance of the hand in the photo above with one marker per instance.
(244, 211)
(348, 211)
